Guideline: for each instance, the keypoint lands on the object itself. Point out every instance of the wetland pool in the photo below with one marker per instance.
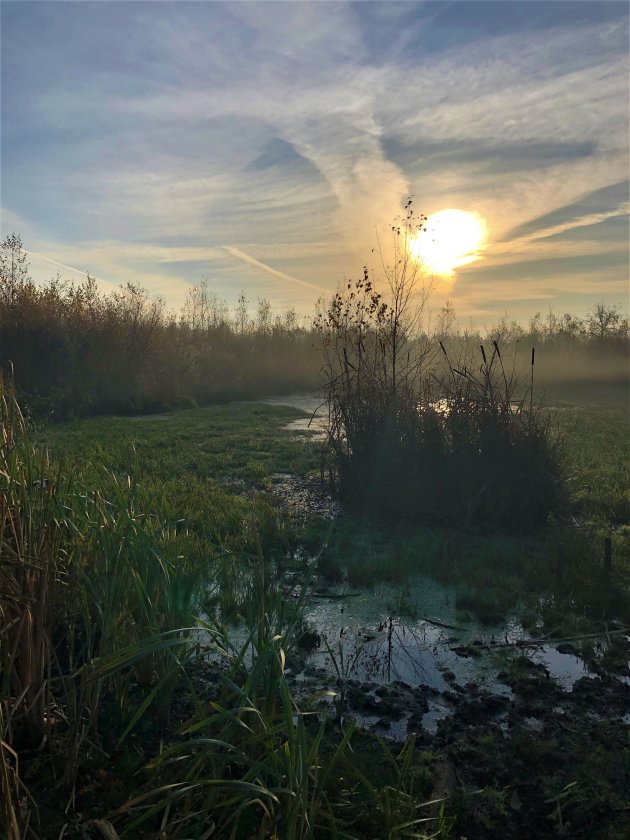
(400, 653)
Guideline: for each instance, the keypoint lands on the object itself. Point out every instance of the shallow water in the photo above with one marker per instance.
(313, 405)
(308, 403)
(411, 633)
(372, 646)
(565, 668)
(315, 426)
(372, 642)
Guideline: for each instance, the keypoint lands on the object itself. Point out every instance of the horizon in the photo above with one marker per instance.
(262, 146)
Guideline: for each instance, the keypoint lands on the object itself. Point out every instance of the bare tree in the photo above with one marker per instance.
(241, 313)
(603, 320)
(263, 316)
(13, 268)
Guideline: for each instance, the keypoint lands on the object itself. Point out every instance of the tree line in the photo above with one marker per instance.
(74, 350)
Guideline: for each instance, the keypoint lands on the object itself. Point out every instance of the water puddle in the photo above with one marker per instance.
(313, 426)
(308, 403)
(396, 730)
(404, 672)
(313, 405)
(438, 710)
(426, 646)
(305, 496)
(565, 668)
(397, 671)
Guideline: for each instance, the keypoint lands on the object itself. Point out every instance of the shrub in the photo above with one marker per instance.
(417, 438)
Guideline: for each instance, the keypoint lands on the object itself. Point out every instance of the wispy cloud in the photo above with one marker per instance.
(582, 221)
(82, 272)
(240, 255)
(537, 244)
(157, 150)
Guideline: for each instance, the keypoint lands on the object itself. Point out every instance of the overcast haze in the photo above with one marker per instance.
(260, 145)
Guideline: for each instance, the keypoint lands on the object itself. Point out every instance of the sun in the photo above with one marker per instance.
(450, 239)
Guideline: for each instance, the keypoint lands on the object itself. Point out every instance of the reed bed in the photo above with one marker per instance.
(81, 576)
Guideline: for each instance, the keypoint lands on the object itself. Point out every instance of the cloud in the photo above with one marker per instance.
(292, 131)
(537, 244)
(71, 268)
(239, 255)
(582, 221)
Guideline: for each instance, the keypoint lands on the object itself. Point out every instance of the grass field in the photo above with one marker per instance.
(182, 496)
(209, 466)
(220, 443)
(594, 423)
(247, 442)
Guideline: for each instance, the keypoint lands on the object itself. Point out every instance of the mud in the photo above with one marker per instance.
(305, 497)
(532, 758)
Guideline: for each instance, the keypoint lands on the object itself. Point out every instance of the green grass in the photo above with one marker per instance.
(210, 462)
(594, 423)
(226, 442)
(210, 465)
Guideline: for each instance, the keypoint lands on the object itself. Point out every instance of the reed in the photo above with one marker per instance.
(416, 437)
(252, 766)
(82, 576)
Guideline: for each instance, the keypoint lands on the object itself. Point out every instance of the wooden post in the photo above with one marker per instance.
(608, 555)
(560, 557)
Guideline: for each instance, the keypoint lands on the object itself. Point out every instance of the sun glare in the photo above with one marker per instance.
(451, 238)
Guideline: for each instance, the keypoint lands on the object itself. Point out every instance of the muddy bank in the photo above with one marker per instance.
(535, 759)
(305, 497)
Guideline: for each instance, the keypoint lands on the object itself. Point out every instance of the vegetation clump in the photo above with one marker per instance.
(419, 438)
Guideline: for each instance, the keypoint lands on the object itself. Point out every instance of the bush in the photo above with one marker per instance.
(416, 438)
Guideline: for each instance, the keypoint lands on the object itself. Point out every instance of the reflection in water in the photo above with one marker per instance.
(314, 405)
(566, 668)
(383, 647)
(315, 426)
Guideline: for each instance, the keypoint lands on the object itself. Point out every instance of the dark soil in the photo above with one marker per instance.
(538, 761)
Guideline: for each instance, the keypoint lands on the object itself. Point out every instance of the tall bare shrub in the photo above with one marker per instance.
(419, 437)
(375, 363)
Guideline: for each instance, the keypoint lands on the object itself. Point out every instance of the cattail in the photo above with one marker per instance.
(483, 353)
(533, 354)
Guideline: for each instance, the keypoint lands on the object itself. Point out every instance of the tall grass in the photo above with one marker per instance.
(81, 577)
(97, 631)
(500, 453)
(251, 766)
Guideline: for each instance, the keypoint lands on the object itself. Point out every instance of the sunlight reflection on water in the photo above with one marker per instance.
(314, 405)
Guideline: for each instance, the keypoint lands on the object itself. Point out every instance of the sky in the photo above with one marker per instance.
(267, 147)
